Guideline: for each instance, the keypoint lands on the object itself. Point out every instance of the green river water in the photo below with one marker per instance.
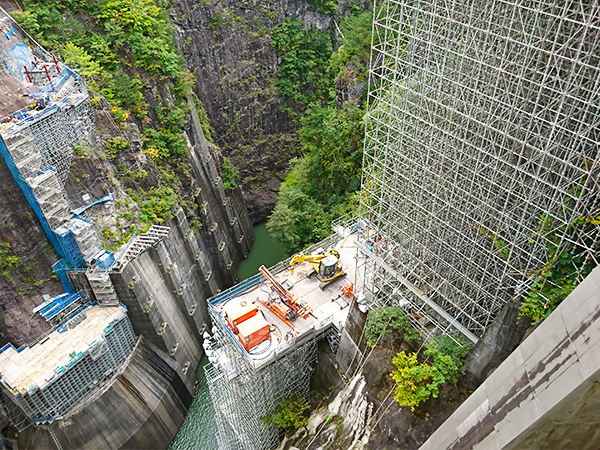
(198, 431)
(265, 252)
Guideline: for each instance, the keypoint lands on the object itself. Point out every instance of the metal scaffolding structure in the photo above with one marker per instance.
(481, 152)
(83, 352)
(247, 385)
(242, 394)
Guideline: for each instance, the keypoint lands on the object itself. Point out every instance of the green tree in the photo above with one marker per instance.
(448, 353)
(415, 382)
(229, 175)
(351, 61)
(324, 6)
(137, 15)
(298, 219)
(324, 184)
(290, 413)
(8, 261)
(385, 320)
(81, 60)
(334, 140)
(27, 20)
(304, 76)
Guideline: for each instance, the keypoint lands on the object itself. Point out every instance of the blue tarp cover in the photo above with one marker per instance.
(56, 304)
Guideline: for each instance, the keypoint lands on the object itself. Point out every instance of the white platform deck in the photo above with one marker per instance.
(328, 305)
(37, 364)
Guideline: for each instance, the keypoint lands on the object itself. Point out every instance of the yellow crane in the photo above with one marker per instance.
(327, 265)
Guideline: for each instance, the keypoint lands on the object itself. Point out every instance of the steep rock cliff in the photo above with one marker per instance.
(226, 46)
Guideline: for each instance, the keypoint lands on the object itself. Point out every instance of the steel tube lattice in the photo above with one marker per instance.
(481, 150)
(242, 394)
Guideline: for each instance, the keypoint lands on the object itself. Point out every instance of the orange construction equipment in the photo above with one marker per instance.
(281, 310)
(295, 306)
(238, 312)
(253, 331)
(348, 290)
(251, 328)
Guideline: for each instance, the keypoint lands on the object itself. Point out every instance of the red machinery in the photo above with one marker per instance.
(284, 304)
(251, 329)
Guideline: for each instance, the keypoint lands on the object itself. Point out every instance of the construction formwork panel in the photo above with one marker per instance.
(481, 151)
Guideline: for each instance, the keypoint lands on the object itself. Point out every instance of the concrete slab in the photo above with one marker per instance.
(516, 385)
(516, 422)
(589, 362)
(550, 361)
(474, 401)
(551, 393)
(505, 370)
(447, 434)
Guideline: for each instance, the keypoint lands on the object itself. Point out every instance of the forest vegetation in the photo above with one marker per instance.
(323, 184)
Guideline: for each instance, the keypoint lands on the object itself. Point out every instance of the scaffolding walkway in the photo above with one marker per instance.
(143, 242)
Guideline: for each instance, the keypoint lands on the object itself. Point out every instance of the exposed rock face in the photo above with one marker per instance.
(365, 416)
(225, 45)
(499, 340)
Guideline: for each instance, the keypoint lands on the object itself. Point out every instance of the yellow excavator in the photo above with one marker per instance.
(327, 265)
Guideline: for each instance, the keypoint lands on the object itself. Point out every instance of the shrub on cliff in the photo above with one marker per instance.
(386, 320)
(290, 413)
(416, 382)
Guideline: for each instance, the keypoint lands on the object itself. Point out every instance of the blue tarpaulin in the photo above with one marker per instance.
(20, 56)
(55, 305)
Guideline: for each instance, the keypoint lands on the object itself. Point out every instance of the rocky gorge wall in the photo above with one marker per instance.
(226, 46)
(22, 287)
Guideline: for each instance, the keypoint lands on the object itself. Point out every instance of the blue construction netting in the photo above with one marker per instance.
(70, 248)
(108, 198)
(31, 198)
(55, 305)
(60, 268)
(57, 82)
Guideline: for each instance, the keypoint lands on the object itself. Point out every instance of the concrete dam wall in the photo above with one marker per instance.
(143, 408)
(117, 365)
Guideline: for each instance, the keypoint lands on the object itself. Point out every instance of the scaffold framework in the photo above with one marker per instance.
(241, 394)
(481, 155)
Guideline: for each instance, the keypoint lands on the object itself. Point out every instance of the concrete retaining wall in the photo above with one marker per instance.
(546, 394)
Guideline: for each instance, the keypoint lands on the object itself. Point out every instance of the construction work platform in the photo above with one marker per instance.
(329, 307)
(37, 365)
(246, 385)
(53, 374)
